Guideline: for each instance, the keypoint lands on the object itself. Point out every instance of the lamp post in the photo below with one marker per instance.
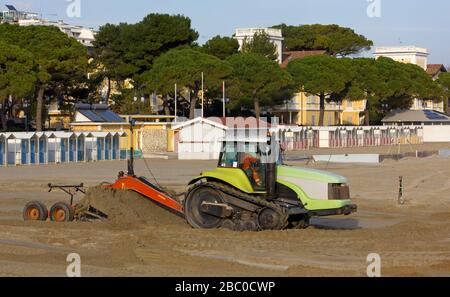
(203, 95)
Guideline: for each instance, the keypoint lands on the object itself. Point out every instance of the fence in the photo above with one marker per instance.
(23, 148)
(303, 138)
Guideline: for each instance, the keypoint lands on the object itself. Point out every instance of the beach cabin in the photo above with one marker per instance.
(25, 140)
(81, 147)
(42, 139)
(3, 146)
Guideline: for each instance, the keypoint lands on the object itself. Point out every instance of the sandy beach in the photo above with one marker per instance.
(412, 239)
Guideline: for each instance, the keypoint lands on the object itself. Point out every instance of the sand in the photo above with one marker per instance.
(141, 239)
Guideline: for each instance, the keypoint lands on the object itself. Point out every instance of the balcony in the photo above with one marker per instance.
(296, 107)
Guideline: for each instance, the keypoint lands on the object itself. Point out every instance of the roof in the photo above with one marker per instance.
(293, 55)
(242, 123)
(435, 69)
(228, 123)
(416, 116)
(199, 119)
(98, 113)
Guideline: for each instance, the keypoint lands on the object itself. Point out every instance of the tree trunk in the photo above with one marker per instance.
(108, 91)
(166, 106)
(257, 108)
(192, 107)
(39, 107)
(322, 109)
(367, 114)
(3, 117)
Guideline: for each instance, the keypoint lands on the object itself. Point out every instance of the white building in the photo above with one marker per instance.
(275, 36)
(12, 15)
(417, 56)
(405, 54)
(85, 36)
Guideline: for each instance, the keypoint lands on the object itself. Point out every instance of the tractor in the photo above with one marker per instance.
(252, 189)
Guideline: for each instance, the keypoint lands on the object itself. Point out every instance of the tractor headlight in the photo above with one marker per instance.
(338, 192)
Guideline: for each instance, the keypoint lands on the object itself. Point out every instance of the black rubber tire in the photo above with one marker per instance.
(35, 211)
(194, 216)
(62, 212)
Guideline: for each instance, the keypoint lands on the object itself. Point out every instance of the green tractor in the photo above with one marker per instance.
(252, 189)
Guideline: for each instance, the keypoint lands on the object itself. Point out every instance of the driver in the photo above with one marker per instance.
(251, 165)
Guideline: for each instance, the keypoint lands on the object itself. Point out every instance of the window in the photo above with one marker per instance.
(311, 99)
(247, 157)
(313, 120)
(229, 156)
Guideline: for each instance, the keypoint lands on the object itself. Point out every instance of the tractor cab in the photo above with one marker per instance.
(253, 158)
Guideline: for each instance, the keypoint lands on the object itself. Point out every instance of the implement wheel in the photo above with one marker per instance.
(62, 212)
(193, 208)
(35, 211)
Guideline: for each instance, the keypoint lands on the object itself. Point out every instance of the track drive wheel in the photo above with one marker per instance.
(62, 212)
(193, 207)
(35, 211)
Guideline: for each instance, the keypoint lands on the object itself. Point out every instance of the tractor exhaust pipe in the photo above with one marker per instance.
(271, 166)
(131, 160)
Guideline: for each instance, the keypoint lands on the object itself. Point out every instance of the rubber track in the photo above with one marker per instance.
(243, 196)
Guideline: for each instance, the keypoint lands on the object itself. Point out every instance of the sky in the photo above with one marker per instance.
(387, 23)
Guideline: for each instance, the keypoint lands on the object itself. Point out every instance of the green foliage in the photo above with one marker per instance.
(336, 40)
(184, 68)
(129, 50)
(60, 61)
(257, 81)
(260, 44)
(444, 81)
(324, 76)
(17, 75)
(321, 74)
(221, 47)
(57, 56)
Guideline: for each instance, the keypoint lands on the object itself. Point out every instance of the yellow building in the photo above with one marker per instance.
(150, 134)
(304, 109)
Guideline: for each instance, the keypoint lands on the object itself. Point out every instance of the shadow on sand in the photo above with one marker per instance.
(335, 224)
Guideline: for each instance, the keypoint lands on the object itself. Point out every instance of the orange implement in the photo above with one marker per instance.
(148, 190)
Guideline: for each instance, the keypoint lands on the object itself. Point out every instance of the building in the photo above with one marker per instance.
(416, 117)
(83, 35)
(12, 15)
(434, 70)
(151, 134)
(404, 54)
(303, 109)
(274, 35)
(417, 56)
(201, 138)
(292, 55)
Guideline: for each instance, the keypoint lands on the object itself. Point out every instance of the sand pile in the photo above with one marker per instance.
(128, 207)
